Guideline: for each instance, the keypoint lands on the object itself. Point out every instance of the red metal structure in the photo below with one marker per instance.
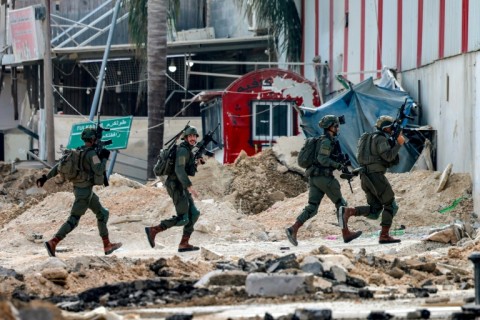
(255, 110)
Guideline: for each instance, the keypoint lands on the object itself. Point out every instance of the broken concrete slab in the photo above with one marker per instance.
(274, 285)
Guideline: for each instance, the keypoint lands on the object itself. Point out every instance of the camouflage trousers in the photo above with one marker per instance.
(380, 198)
(85, 199)
(187, 213)
(319, 186)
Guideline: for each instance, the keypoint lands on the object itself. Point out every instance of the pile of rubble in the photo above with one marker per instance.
(244, 256)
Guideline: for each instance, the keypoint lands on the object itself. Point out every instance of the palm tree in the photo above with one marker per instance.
(282, 18)
(148, 25)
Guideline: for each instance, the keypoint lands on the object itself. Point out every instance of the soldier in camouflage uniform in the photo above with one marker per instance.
(179, 188)
(322, 181)
(379, 193)
(85, 198)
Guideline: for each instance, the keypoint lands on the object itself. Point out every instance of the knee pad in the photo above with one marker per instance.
(105, 214)
(73, 221)
(182, 220)
(312, 207)
(393, 208)
(195, 214)
(375, 213)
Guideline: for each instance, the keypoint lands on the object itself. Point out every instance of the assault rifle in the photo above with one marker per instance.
(202, 145)
(174, 139)
(403, 115)
(101, 144)
(344, 160)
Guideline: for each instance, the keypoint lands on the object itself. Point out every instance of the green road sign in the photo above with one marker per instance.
(119, 132)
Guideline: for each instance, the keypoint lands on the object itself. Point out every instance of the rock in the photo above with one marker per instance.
(203, 227)
(274, 285)
(209, 255)
(322, 284)
(356, 282)
(444, 177)
(312, 265)
(276, 196)
(330, 260)
(322, 250)
(228, 278)
(396, 273)
(339, 273)
(56, 275)
(286, 262)
(313, 314)
(376, 279)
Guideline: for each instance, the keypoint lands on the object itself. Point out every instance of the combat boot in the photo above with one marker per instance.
(385, 236)
(292, 232)
(349, 236)
(51, 245)
(343, 214)
(152, 232)
(109, 247)
(184, 246)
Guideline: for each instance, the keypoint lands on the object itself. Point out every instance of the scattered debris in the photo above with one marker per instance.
(244, 254)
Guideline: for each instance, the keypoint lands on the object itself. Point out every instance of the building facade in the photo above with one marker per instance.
(434, 47)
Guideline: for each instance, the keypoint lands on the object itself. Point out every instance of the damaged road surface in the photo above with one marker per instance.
(246, 268)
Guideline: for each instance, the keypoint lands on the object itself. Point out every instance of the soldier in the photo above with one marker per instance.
(179, 188)
(380, 154)
(85, 198)
(322, 181)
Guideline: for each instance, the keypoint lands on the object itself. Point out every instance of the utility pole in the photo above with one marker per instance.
(47, 86)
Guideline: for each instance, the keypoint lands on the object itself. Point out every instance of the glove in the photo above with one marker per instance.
(401, 139)
(41, 181)
(347, 163)
(104, 154)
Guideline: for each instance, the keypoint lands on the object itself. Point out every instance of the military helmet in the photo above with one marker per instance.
(191, 130)
(384, 122)
(327, 121)
(88, 133)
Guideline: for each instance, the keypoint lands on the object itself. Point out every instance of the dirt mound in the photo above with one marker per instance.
(18, 190)
(261, 180)
(244, 210)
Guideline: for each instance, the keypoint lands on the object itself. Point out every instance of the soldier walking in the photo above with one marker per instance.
(85, 198)
(379, 154)
(322, 181)
(179, 188)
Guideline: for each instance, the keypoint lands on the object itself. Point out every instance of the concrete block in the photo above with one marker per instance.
(274, 285)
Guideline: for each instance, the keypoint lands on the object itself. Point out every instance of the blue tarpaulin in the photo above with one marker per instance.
(361, 106)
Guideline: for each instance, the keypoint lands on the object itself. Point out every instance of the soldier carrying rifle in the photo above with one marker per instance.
(376, 152)
(180, 189)
(321, 179)
(91, 167)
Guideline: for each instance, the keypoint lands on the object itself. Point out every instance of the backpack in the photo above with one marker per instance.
(70, 164)
(166, 161)
(364, 155)
(307, 155)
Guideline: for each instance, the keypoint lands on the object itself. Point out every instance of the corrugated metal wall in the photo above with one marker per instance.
(409, 34)
(354, 48)
(453, 27)
(431, 20)
(389, 41)
(473, 25)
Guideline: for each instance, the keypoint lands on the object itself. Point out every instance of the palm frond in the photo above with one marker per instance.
(138, 20)
(282, 17)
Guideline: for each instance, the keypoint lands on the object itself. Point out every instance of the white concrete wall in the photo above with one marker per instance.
(450, 99)
(448, 104)
(475, 173)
